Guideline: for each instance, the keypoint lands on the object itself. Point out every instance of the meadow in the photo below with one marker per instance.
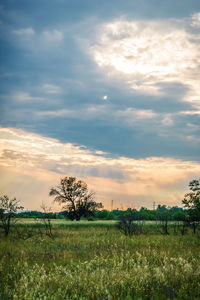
(94, 260)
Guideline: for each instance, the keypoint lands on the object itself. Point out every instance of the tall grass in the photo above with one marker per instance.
(99, 262)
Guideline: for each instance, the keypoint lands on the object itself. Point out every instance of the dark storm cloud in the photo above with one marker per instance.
(51, 84)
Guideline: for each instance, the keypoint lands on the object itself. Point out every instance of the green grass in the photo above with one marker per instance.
(92, 260)
(67, 223)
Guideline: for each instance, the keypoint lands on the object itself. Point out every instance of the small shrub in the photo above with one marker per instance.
(90, 218)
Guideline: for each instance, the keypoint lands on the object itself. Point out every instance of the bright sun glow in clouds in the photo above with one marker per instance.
(128, 87)
(39, 162)
(150, 55)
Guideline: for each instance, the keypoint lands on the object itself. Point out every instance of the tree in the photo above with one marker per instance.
(181, 218)
(192, 199)
(8, 208)
(192, 202)
(46, 218)
(79, 202)
(164, 217)
(128, 224)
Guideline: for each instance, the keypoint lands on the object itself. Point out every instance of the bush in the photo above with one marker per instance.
(90, 218)
(129, 226)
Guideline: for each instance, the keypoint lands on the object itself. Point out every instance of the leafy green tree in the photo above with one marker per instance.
(78, 201)
(192, 199)
(8, 208)
(162, 208)
(192, 202)
(179, 216)
(102, 214)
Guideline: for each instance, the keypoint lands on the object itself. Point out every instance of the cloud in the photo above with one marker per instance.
(193, 127)
(148, 55)
(167, 121)
(190, 112)
(56, 113)
(41, 161)
(53, 36)
(196, 20)
(25, 31)
(25, 97)
(136, 114)
(51, 89)
(126, 116)
(37, 42)
(84, 112)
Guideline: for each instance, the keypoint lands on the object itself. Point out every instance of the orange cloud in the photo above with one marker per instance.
(30, 164)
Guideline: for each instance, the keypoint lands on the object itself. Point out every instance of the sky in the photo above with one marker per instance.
(107, 91)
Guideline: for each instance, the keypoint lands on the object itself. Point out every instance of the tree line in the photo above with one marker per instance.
(79, 203)
(174, 213)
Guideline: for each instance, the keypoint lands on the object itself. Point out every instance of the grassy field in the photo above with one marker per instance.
(71, 223)
(92, 260)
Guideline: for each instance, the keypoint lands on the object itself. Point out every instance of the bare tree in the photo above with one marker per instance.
(47, 220)
(41, 227)
(129, 225)
(8, 208)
